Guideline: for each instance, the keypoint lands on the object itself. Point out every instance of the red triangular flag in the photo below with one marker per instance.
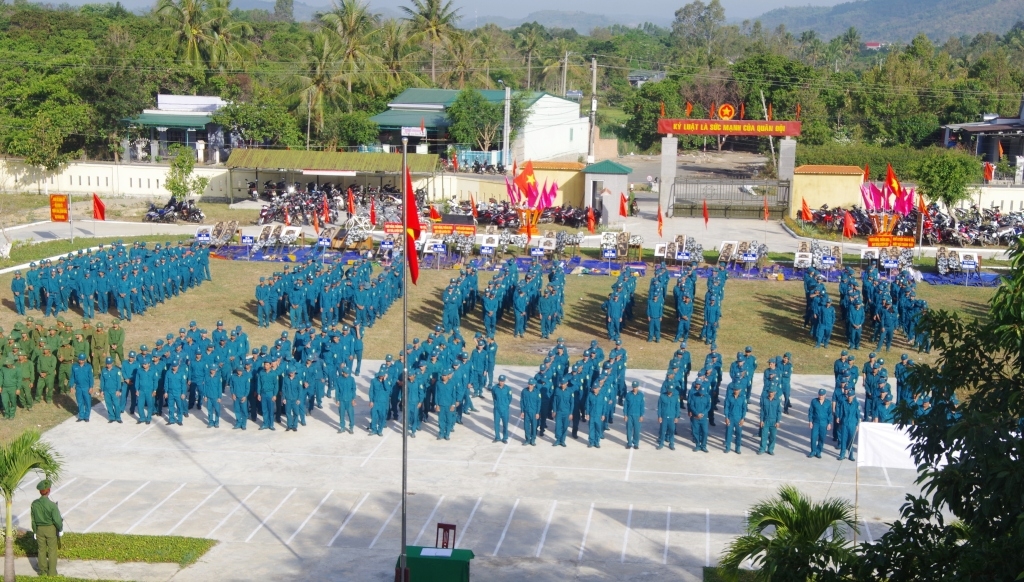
(712, 111)
(591, 226)
(706, 217)
(423, 126)
(766, 212)
(689, 108)
(867, 172)
(743, 110)
(769, 112)
(920, 204)
(434, 214)
(412, 231)
(373, 212)
(351, 203)
(455, 163)
(661, 221)
(316, 223)
(514, 168)
(849, 227)
(287, 217)
(472, 203)
(798, 112)
(327, 211)
(99, 209)
(805, 211)
(622, 205)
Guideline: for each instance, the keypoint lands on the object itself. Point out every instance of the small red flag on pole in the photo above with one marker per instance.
(622, 205)
(472, 203)
(99, 209)
(849, 227)
(351, 203)
(706, 217)
(591, 227)
(373, 212)
(766, 213)
(867, 172)
(661, 221)
(805, 211)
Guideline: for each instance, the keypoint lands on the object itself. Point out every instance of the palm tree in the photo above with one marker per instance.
(203, 33)
(23, 454)
(464, 63)
(808, 538)
(528, 42)
(435, 23)
(318, 80)
(396, 50)
(355, 27)
(229, 45)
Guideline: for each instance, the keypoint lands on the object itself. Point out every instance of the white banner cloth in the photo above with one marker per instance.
(884, 445)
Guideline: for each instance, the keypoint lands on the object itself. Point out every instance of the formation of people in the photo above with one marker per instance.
(539, 294)
(129, 279)
(873, 303)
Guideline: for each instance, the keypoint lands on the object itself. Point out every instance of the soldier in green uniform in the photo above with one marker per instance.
(46, 368)
(27, 375)
(100, 348)
(47, 525)
(65, 357)
(115, 340)
(10, 382)
(80, 345)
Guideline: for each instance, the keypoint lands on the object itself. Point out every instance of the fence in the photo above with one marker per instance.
(730, 198)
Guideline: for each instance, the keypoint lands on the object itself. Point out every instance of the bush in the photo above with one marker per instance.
(905, 160)
(122, 548)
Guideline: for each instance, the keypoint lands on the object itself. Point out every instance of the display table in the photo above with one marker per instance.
(437, 565)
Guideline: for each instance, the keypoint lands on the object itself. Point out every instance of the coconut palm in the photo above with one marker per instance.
(806, 538)
(396, 50)
(229, 44)
(23, 454)
(355, 28)
(464, 56)
(203, 33)
(434, 21)
(318, 81)
(529, 42)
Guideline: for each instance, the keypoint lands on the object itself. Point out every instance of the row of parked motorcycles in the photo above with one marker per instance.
(476, 168)
(174, 211)
(295, 204)
(965, 227)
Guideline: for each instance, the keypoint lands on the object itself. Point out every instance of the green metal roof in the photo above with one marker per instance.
(175, 120)
(343, 161)
(607, 167)
(409, 118)
(445, 97)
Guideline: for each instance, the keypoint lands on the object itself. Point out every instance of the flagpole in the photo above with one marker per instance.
(403, 558)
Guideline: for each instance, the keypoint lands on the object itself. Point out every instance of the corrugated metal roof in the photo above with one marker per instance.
(568, 166)
(446, 97)
(830, 170)
(410, 118)
(351, 161)
(608, 167)
(180, 120)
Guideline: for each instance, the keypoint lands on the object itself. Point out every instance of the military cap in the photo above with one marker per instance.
(844, 353)
(81, 357)
(44, 485)
(821, 392)
(501, 378)
(109, 361)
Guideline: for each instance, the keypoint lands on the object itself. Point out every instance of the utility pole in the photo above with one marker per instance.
(593, 108)
(309, 112)
(771, 140)
(506, 131)
(565, 69)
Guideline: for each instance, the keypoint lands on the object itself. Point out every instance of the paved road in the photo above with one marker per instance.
(315, 503)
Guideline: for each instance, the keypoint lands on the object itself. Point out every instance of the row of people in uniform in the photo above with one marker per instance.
(131, 279)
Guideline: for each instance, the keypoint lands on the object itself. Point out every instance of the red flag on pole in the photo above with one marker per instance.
(373, 212)
(316, 223)
(689, 108)
(805, 211)
(661, 221)
(769, 112)
(287, 217)
(412, 231)
(351, 203)
(591, 227)
(706, 217)
(455, 163)
(434, 214)
(472, 204)
(849, 227)
(867, 173)
(622, 205)
(920, 204)
(766, 213)
(326, 211)
(663, 112)
(892, 181)
(99, 209)
(798, 112)
(743, 110)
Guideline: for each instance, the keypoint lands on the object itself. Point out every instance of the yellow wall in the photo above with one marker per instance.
(819, 189)
(570, 187)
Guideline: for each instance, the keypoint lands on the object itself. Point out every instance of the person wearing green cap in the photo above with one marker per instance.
(82, 384)
(529, 406)
(633, 414)
(771, 415)
(345, 395)
(502, 396)
(47, 527)
(819, 417)
(379, 396)
(18, 286)
(46, 369)
(27, 370)
(668, 412)
(115, 341)
(10, 384)
(111, 384)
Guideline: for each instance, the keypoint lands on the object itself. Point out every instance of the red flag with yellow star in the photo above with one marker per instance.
(526, 180)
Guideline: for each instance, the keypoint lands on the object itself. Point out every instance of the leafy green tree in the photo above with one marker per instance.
(700, 25)
(284, 10)
(397, 52)
(475, 120)
(204, 35)
(179, 180)
(643, 109)
(529, 42)
(355, 29)
(969, 453)
(791, 538)
(350, 129)
(260, 121)
(317, 84)
(946, 178)
(435, 21)
(17, 458)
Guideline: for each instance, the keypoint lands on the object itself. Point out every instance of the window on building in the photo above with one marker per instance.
(147, 183)
(570, 133)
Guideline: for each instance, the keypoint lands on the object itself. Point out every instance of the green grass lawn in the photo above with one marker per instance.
(712, 575)
(123, 548)
(764, 314)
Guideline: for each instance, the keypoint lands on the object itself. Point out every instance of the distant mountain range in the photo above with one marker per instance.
(900, 20)
(582, 22)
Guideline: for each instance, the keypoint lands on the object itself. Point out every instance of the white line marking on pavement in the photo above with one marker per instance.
(269, 515)
(544, 534)
(707, 538)
(625, 536)
(148, 428)
(381, 443)
(886, 473)
(308, 517)
(504, 448)
(668, 529)
(87, 497)
(156, 507)
(232, 512)
(586, 530)
(426, 523)
(867, 530)
(629, 464)
(458, 542)
(194, 509)
(54, 492)
(386, 522)
(348, 518)
(505, 531)
(119, 503)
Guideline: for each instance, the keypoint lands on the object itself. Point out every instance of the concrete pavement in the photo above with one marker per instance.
(318, 505)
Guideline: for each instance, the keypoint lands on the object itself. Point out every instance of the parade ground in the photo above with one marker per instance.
(318, 505)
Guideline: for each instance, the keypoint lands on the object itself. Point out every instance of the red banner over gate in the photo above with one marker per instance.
(746, 127)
